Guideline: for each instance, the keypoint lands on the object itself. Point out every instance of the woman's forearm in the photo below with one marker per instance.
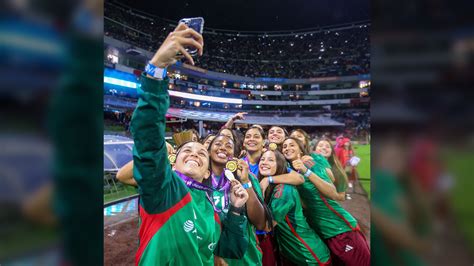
(327, 189)
(292, 178)
(255, 210)
(125, 174)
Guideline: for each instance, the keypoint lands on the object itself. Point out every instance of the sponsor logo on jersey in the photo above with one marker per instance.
(212, 246)
(349, 248)
(188, 226)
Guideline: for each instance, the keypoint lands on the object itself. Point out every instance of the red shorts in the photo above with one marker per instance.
(269, 249)
(349, 248)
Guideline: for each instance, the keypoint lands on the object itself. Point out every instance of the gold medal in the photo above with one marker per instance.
(231, 165)
(172, 158)
(273, 146)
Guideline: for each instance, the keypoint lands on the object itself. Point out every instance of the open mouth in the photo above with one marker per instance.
(251, 144)
(192, 163)
(222, 155)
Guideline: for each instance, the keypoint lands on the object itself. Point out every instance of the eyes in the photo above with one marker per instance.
(219, 144)
(255, 136)
(276, 131)
(201, 153)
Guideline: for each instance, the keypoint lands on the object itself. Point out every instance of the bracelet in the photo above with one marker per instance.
(247, 185)
(270, 179)
(239, 210)
(156, 72)
(308, 173)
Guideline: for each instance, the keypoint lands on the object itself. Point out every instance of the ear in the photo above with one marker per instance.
(207, 174)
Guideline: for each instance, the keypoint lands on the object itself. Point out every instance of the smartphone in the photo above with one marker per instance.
(197, 24)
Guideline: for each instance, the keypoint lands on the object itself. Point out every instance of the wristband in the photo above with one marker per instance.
(270, 179)
(156, 72)
(247, 185)
(239, 210)
(308, 173)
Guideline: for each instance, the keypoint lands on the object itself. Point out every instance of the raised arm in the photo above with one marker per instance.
(230, 123)
(151, 169)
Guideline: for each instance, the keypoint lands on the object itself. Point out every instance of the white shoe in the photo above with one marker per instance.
(350, 185)
(348, 197)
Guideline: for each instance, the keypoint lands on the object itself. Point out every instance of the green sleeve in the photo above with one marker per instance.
(159, 188)
(320, 160)
(233, 242)
(282, 201)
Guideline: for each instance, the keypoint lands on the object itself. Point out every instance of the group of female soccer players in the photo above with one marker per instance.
(263, 200)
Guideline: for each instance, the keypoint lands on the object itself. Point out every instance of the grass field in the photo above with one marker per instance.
(460, 167)
(125, 191)
(363, 152)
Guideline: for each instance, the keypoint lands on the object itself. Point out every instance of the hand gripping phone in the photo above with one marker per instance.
(197, 24)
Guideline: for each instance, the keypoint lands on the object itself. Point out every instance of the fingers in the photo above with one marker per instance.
(181, 26)
(187, 33)
(186, 54)
(235, 183)
(190, 42)
(240, 192)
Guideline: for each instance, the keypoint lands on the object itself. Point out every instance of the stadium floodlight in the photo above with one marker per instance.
(190, 96)
(205, 98)
(120, 82)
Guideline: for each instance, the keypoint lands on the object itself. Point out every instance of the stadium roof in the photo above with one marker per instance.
(252, 119)
(262, 15)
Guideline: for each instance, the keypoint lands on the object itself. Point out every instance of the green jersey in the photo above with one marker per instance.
(253, 255)
(178, 224)
(325, 216)
(296, 240)
(341, 184)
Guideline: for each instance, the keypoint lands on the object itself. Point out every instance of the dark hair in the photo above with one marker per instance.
(284, 130)
(206, 138)
(259, 128)
(336, 167)
(195, 132)
(306, 139)
(299, 143)
(280, 170)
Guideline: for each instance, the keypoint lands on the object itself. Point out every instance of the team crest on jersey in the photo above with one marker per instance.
(278, 191)
(211, 246)
(188, 226)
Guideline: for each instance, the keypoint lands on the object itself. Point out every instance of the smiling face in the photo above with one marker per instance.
(298, 135)
(222, 148)
(291, 150)
(276, 135)
(268, 164)
(193, 160)
(208, 141)
(253, 140)
(226, 132)
(324, 148)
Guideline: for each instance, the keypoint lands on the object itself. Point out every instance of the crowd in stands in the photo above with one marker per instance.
(357, 124)
(323, 53)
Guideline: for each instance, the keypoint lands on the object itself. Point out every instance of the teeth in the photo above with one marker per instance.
(192, 162)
